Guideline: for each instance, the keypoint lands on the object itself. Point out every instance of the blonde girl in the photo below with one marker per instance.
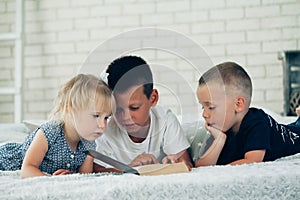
(59, 146)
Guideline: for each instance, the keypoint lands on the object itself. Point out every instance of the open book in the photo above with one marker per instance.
(145, 170)
(159, 169)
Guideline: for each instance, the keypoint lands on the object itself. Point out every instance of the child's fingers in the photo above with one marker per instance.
(62, 172)
(213, 131)
(144, 159)
(169, 159)
(57, 172)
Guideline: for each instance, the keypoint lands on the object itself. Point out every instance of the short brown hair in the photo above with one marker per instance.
(231, 75)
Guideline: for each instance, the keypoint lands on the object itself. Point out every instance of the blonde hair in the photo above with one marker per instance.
(79, 93)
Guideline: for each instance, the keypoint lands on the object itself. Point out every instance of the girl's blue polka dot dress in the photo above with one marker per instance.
(58, 156)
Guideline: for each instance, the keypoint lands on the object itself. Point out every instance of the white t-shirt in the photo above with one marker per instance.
(165, 137)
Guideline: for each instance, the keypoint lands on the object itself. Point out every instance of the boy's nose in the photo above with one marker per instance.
(126, 115)
(205, 114)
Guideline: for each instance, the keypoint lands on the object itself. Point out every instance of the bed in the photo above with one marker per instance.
(279, 179)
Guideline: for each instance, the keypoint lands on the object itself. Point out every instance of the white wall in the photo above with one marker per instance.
(59, 34)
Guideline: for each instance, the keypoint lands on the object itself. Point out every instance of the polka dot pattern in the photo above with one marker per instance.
(59, 155)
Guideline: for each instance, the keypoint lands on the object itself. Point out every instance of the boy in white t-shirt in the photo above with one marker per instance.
(140, 132)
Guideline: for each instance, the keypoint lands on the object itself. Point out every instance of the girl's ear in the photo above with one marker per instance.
(240, 104)
(154, 97)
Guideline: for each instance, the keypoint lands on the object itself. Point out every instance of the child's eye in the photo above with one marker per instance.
(134, 108)
(211, 107)
(107, 118)
(95, 115)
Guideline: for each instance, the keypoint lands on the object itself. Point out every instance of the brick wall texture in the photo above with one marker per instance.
(65, 37)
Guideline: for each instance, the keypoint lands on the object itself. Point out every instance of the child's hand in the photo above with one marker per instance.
(211, 155)
(298, 111)
(216, 133)
(143, 159)
(172, 158)
(181, 156)
(62, 172)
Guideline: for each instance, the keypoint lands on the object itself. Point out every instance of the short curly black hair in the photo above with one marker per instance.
(128, 71)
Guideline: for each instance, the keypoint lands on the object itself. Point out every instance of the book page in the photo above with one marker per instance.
(159, 169)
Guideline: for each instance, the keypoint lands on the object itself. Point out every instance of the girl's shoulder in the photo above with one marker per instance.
(52, 130)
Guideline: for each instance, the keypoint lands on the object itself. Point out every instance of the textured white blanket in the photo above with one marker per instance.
(271, 180)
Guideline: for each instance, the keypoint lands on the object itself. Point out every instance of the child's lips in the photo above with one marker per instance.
(210, 124)
(98, 134)
(129, 125)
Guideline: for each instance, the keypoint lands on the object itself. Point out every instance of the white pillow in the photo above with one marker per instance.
(279, 118)
(32, 125)
(13, 132)
(199, 138)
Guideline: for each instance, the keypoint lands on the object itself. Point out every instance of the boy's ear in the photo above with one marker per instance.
(154, 97)
(240, 103)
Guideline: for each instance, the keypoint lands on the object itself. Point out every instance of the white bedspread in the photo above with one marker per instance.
(271, 180)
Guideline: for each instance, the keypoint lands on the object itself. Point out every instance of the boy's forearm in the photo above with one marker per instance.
(210, 157)
(251, 157)
(185, 157)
